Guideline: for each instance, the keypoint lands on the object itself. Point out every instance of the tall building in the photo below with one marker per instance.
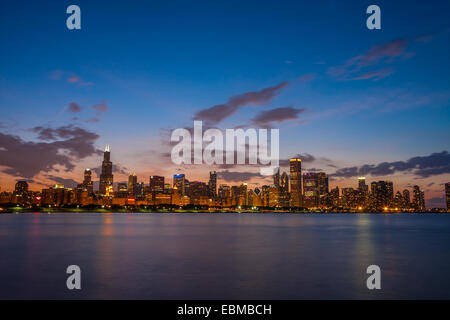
(418, 199)
(362, 186)
(276, 177)
(295, 166)
(21, 188)
(284, 190)
(139, 190)
(197, 191)
(349, 197)
(224, 195)
(447, 194)
(122, 190)
(132, 184)
(87, 184)
(156, 184)
(322, 186)
(333, 198)
(310, 189)
(274, 196)
(106, 177)
(212, 184)
(382, 194)
(179, 180)
(406, 198)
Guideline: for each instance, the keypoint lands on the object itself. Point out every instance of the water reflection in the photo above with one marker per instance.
(224, 256)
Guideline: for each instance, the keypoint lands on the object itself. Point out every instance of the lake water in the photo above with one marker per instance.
(224, 256)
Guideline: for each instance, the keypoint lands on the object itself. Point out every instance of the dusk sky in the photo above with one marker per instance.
(352, 101)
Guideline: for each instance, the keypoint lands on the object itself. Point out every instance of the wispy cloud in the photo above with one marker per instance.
(74, 107)
(422, 166)
(384, 53)
(279, 115)
(374, 75)
(218, 113)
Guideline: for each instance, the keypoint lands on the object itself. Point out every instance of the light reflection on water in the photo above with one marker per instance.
(224, 256)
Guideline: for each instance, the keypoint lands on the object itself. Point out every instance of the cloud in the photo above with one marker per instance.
(384, 53)
(276, 115)
(218, 113)
(74, 108)
(68, 144)
(68, 183)
(92, 120)
(101, 107)
(73, 79)
(70, 77)
(426, 166)
(116, 168)
(236, 176)
(76, 79)
(306, 158)
(375, 75)
(307, 77)
(437, 202)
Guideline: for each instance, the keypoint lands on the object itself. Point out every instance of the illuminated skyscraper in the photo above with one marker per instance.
(21, 188)
(284, 190)
(418, 199)
(406, 198)
(276, 178)
(310, 189)
(362, 186)
(274, 196)
(87, 181)
(179, 181)
(156, 184)
(106, 177)
(295, 165)
(122, 190)
(132, 183)
(382, 194)
(212, 184)
(322, 186)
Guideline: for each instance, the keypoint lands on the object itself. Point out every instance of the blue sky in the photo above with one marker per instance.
(154, 65)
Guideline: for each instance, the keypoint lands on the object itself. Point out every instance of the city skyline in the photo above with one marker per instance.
(298, 189)
(349, 101)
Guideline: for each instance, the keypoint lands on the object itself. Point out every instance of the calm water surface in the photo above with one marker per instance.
(224, 256)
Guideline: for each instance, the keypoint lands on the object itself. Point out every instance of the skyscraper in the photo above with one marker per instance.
(406, 198)
(362, 186)
(295, 165)
(106, 177)
(322, 186)
(447, 194)
(382, 194)
(132, 184)
(276, 178)
(212, 184)
(87, 181)
(21, 187)
(284, 190)
(418, 199)
(179, 181)
(310, 189)
(156, 184)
